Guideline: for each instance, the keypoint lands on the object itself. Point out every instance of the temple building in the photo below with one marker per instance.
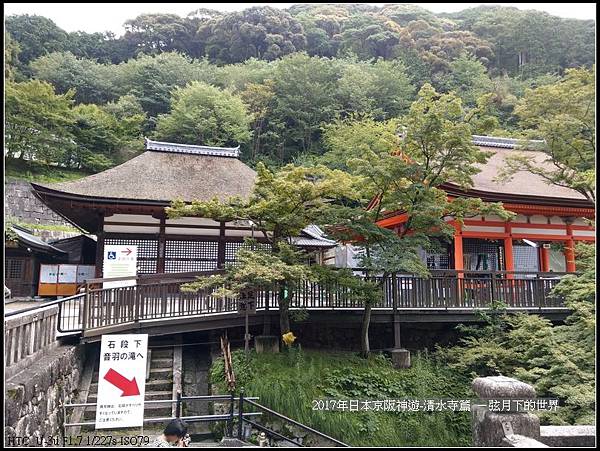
(540, 238)
(126, 205)
(24, 253)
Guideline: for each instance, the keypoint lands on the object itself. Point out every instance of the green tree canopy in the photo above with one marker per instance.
(205, 115)
(92, 82)
(281, 205)
(259, 32)
(36, 36)
(37, 122)
(401, 165)
(563, 115)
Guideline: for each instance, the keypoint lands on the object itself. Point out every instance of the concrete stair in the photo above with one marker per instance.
(159, 385)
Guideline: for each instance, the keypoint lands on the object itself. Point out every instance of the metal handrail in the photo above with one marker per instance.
(45, 305)
(157, 276)
(289, 420)
(190, 418)
(271, 432)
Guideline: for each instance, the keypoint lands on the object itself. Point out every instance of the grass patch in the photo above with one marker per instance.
(289, 382)
(35, 172)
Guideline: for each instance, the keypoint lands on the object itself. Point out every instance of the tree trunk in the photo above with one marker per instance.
(284, 312)
(364, 341)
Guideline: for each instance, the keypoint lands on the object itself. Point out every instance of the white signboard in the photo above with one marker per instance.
(85, 272)
(48, 273)
(119, 261)
(67, 274)
(122, 381)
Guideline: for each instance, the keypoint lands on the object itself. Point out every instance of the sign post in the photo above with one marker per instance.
(122, 381)
(119, 261)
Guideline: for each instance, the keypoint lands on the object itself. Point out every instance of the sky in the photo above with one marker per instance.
(92, 17)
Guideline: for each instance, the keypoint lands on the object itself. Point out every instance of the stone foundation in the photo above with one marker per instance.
(266, 343)
(400, 358)
(33, 398)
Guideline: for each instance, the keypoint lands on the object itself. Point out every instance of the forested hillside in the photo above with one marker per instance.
(268, 79)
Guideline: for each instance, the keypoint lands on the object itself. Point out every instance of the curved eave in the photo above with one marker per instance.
(491, 196)
(44, 190)
(84, 211)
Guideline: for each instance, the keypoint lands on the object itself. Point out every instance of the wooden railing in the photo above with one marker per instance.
(27, 335)
(159, 296)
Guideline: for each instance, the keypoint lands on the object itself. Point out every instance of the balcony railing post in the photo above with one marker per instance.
(230, 421)
(493, 286)
(86, 303)
(240, 415)
(178, 405)
(394, 292)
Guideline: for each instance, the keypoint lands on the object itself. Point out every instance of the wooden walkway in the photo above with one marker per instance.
(157, 301)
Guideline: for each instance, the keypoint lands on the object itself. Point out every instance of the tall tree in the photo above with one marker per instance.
(103, 139)
(36, 36)
(259, 32)
(563, 116)
(91, 81)
(468, 78)
(402, 165)
(205, 115)
(156, 33)
(305, 99)
(11, 56)
(152, 79)
(37, 122)
(280, 206)
(381, 89)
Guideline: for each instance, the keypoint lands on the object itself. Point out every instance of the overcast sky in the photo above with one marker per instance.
(93, 17)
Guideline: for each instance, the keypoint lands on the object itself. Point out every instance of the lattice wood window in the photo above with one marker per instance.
(147, 252)
(436, 258)
(437, 261)
(190, 255)
(13, 268)
(232, 248)
(526, 258)
(482, 255)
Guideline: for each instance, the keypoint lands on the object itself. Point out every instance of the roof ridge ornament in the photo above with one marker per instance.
(506, 143)
(162, 146)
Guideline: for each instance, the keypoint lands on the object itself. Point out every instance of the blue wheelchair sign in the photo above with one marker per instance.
(112, 255)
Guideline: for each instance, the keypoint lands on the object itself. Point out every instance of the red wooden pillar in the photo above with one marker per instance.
(509, 261)
(544, 259)
(570, 249)
(459, 262)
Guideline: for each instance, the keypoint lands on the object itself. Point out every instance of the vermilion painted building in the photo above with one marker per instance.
(549, 220)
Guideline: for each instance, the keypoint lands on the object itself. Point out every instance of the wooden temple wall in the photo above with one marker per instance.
(169, 246)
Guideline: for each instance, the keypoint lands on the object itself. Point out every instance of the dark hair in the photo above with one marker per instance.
(176, 427)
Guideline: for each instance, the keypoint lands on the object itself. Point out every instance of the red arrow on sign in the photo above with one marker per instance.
(128, 251)
(128, 387)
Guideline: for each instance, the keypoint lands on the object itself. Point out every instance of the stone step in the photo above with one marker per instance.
(151, 385)
(161, 353)
(204, 444)
(154, 374)
(165, 362)
(161, 373)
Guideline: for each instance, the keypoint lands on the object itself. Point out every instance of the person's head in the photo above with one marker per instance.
(175, 430)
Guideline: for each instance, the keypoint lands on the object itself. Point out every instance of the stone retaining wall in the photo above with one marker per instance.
(20, 204)
(33, 412)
